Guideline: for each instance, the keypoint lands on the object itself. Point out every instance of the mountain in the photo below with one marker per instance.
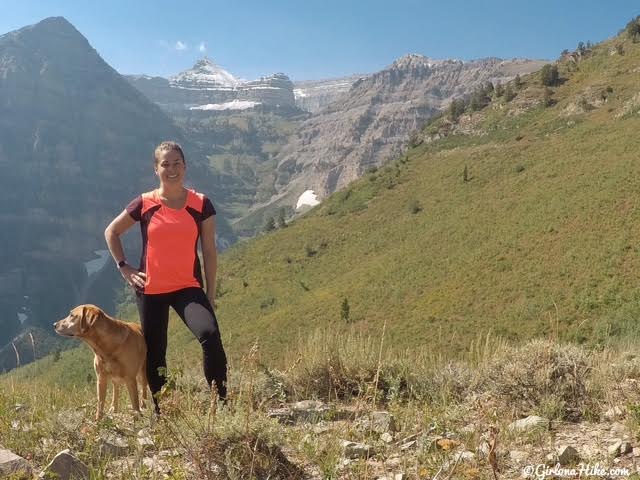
(207, 86)
(76, 141)
(516, 219)
(314, 95)
(371, 123)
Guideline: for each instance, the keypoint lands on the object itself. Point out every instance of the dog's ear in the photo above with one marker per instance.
(82, 327)
(89, 316)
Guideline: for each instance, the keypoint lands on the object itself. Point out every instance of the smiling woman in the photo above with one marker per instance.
(172, 220)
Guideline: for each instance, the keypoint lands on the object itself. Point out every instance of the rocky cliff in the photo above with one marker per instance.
(314, 95)
(208, 86)
(75, 146)
(372, 122)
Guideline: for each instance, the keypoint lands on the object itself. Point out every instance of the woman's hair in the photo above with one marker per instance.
(167, 146)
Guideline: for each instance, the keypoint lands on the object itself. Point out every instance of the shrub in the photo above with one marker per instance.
(344, 311)
(414, 207)
(509, 94)
(539, 373)
(549, 75)
(633, 29)
(456, 108)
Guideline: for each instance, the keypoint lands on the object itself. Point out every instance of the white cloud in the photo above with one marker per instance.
(180, 45)
(202, 47)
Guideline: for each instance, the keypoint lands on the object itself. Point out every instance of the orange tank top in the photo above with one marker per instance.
(170, 240)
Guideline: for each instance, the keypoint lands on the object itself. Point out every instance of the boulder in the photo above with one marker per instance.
(12, 464)
(529, 423)
(65, 466)
(357, 450)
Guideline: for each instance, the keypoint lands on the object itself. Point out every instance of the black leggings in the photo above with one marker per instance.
(193, 307)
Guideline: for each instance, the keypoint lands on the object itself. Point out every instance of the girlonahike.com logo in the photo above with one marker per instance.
(582, 470)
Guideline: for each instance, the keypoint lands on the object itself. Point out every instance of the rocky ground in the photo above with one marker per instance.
(531, 447)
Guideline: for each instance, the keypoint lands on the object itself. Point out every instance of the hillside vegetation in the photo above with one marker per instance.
(487, 275)
(541, 238)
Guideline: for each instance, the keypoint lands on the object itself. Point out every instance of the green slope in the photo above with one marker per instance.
(542, 239)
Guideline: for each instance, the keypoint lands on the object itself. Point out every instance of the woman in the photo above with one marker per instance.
(172, 218)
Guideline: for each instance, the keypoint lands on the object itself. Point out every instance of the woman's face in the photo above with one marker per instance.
(170, 168)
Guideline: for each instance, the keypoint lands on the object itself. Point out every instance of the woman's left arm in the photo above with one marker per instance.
(209, 256)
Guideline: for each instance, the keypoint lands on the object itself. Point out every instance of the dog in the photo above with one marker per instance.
(119, 348)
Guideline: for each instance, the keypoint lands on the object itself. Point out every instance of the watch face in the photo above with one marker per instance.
(122, 263)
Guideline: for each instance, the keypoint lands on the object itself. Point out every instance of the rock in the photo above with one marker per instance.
(144, 439)
(465, 456)
(113, 446)
(393, 462)
(625, 448)
(568, 455)
(408, 445)
(483, 449)
(517, 455)
(65, 466)
(10, 463)
(158, 466)
(614, 413)
(636, 451)
(304, 411)
(305, 405)
(354, 450)
(378, 422)
(386, 437)
(530, 423)
(614, 449)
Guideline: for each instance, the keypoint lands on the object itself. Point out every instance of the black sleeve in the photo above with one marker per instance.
(207, 209)
(135, 208)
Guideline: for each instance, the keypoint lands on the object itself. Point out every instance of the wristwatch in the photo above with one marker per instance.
(122, 263)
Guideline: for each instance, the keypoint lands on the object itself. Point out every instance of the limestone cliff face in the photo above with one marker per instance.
(315, 95)
(372, 122)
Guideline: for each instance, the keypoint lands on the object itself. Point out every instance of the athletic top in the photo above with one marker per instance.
(170, 240)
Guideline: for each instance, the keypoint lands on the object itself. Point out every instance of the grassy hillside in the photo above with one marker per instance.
(541, 238)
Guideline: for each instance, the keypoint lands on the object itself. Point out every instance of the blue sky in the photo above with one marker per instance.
(321, 38)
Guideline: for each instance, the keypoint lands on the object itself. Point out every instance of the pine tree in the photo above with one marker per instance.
(344, 311)
(509, 94)
(281, 222)
(456, 108)
(517, 81)
(549, 75)
(269, 224)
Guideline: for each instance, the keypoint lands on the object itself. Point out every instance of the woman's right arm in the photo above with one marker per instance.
(117, 227)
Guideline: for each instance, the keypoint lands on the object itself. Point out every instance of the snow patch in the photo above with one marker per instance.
(233, 105)
(307, 198)
(22, 318)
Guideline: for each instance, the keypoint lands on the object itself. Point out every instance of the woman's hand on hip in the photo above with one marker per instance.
(133, 277)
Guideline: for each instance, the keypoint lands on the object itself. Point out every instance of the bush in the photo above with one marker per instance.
(414, 207)
(456, 108)
(539, 373)
(549, 75)
(633, 29)
(509, 94)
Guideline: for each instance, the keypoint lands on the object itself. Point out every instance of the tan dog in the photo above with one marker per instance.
(120, 352)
